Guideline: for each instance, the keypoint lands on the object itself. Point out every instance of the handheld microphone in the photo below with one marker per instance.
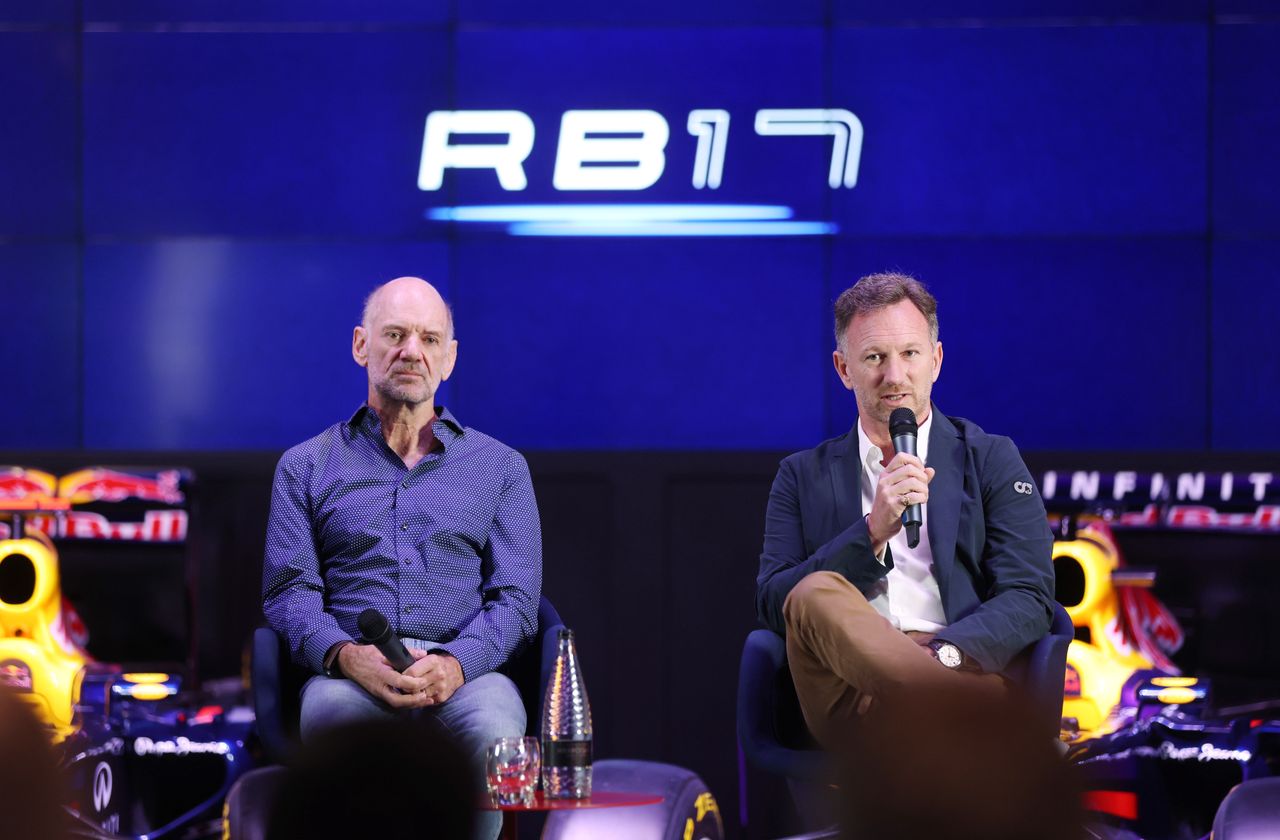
(903, 431)
(377, 632)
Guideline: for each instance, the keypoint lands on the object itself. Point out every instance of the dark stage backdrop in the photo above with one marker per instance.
(194, 198)
(651, 558)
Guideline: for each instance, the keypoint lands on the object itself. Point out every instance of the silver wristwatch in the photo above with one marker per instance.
(946, 653)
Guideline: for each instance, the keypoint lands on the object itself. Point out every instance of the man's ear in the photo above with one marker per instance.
(450, 359)
(842, 369)
(360, 346)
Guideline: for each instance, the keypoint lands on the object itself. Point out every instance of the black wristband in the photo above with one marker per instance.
(331, 666)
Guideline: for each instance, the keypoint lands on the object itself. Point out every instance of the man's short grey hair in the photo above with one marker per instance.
(876, 291)
(367, 310)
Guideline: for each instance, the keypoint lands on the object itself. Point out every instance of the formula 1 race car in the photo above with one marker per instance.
(142, 757)
(1158, 758)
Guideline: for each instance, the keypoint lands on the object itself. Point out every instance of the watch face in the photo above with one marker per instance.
(949, 655)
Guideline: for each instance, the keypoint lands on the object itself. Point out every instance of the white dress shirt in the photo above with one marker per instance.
(908, 595)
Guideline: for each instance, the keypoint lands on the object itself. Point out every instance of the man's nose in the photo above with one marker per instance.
(895, 370)
(411, 348)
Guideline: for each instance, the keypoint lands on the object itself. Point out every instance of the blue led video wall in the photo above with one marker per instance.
(641, 212)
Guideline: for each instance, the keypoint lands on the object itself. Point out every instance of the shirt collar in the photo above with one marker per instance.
(446, 427)
(871, 455)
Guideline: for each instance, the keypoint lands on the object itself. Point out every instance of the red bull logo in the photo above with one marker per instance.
(18, 483)
(45, 503)
(1071, 682)
(156, 526)
(102, 485)
(1150, 626)
(15, 674)
(69, 631)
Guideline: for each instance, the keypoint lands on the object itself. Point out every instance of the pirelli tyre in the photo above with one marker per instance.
(1251, 811)
(688, 810)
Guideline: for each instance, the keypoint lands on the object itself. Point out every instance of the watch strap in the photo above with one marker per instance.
(331, 666)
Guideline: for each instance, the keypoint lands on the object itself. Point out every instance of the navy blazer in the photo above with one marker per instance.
(988, 531)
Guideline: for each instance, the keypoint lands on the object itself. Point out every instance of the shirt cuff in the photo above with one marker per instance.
(316, 647)
(470, 655)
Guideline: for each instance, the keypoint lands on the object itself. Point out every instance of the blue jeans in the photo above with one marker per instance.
(482, 710)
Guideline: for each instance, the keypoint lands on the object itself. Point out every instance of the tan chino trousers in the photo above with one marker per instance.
(845, 657)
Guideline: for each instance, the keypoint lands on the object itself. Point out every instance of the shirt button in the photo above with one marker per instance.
(405, 484)
(408, 610)
(404, 526)
(407, 561)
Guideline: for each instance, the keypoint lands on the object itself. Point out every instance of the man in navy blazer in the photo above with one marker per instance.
(864, 613)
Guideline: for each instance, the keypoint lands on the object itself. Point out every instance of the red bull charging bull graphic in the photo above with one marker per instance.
(98, 503)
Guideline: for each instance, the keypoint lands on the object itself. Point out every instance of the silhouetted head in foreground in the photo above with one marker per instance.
(392, 778)
(957, 767)
(31, 787)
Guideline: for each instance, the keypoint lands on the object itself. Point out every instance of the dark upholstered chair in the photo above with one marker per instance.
(275, 682)
(771, 730)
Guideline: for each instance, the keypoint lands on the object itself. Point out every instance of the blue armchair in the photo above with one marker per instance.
(275, 686)
(771, 731)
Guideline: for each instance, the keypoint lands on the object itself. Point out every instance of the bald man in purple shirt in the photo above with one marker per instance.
(403, 509)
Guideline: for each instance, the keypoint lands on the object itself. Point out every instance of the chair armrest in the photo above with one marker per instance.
(265, 667)
(1046, 665)
(764, 663)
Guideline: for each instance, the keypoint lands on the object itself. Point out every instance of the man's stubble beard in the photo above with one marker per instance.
(881, 413)
(405, 395)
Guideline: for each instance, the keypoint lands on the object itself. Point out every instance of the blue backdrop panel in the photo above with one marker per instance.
(229, 345)
(641, 12)
(258, 134)
(38, 156)
(1016, 130)
(629, 344)
(929, 11)
(40, 345)
(1246, 8)
(48, 11)
(1059, 343)
(1246, 129)
(1246, 367)
(671, 71)
(337, 11)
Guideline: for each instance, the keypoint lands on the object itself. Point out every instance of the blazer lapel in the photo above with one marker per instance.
(846, 482)
(946, 494)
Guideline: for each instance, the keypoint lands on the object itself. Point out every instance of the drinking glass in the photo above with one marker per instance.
(512, 766)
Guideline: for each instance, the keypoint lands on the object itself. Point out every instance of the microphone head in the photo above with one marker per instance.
(373, 625)
(902, 422)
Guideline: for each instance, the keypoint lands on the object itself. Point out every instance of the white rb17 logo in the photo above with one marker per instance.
(620, 150)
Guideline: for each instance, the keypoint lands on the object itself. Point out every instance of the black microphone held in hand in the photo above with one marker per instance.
(902, 430)
(377, 632)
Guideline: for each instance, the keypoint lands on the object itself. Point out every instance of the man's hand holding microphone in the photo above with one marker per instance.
(401, 677)
(902, 488)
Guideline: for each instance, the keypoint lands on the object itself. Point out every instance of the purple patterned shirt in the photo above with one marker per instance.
(449, 551)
